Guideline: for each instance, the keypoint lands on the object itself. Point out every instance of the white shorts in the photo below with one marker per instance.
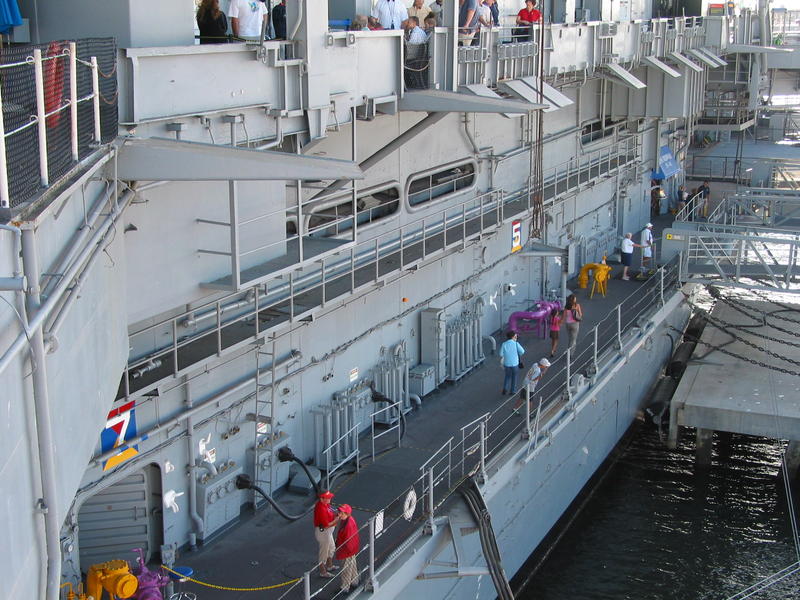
(647, 252)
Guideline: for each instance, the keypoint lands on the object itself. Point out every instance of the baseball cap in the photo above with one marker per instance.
(345, 508)
(544, 362)
(326, 494)
(649, 225)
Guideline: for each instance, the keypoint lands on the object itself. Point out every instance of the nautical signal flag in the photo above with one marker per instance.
(120, 427)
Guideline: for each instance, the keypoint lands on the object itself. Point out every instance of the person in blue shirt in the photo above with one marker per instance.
(510, 353)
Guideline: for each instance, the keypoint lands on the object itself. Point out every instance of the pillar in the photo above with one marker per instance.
(705, 438)
(792, 458)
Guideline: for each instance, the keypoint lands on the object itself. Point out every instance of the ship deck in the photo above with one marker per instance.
(263, 549)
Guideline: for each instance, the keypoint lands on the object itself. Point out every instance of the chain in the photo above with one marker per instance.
(763, 296)
(231, 589)
(733, 304)
(757, 363)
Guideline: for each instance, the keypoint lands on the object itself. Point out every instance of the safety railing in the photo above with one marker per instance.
(693, 209)
(388, 410)
(332, 466)
(234, 319)
(59, 102)
(484, 441)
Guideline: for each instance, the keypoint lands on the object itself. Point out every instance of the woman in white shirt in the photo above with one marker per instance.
(627, 254)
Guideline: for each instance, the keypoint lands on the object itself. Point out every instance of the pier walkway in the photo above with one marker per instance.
(458, 431)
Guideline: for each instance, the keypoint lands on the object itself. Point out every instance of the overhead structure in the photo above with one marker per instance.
(527, 88)
(652, 61)
(703, 58)
(441, 101)
(686, 62)
(721, 62)
(752, 49)
(615, 73)
(159, 159)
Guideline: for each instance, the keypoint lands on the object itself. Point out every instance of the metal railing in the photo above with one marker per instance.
(58, 104)
(396, 427)
(693, 210)
(486, 440)
(330, 467)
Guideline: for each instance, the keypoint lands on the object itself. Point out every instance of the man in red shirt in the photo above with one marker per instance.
(324, 522)
(347, 546)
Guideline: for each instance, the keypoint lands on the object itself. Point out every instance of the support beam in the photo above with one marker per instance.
(704, 439)
(792, 458)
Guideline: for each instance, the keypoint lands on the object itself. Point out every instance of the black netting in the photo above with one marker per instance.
(19, 109)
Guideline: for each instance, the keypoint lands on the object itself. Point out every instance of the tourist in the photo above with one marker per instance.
(525, 19)
(682, 196)
(347, 546)
(359, 23)
(324, 523)
(373, 24)
(555, 328)
(436, 8)
(414, 33)
(279, 20)
(467, 21)
(627, 254)
(391, 14)
(647, 247)
(430, 25)
(511, 358)
(705, 192)
(532, 379)
(484, 20)
(573, 314)
(419, 10)
(212, 23)
(247, 18)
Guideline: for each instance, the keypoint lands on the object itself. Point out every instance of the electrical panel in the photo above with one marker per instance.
(432, 336)
(218, 500)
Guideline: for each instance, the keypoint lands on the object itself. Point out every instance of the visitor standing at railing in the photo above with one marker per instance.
(414, 33)
(247, 17)
(212, 23)
(705, 192)
(391, 14)
(556, 316)
(573, 314)
(436, 8)
(467, 21)
(348, 544)
(325, 519)
(626, 254)
(484, 20)
(511, 358)
(279, 20)
(647, 247)
(419, 10)
(525, 19)
(681, 197)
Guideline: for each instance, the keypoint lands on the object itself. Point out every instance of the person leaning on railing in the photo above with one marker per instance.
(212, 23)
(247, 17)
(525, 19)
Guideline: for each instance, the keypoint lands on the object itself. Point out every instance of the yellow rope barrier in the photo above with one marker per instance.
(232, 589)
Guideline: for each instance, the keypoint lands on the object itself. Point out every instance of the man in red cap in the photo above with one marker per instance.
(347, 546)
(324, 522)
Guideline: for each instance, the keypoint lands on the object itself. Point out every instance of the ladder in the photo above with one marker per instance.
(266, 438)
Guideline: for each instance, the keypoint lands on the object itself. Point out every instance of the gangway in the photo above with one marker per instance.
(734, 255)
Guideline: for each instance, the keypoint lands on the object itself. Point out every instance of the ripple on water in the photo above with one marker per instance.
(657, 529)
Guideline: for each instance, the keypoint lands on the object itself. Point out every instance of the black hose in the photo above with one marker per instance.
(243, 482)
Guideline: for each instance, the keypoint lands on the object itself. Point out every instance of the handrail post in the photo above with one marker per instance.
(619, 325)
(526, 432)
(594, 349)
(73, 99)
(483, 450)
(431, 524)
(372, 583)
(661, 285)
(96, 100)
(5, 200)
(41, 125)
(307, 585)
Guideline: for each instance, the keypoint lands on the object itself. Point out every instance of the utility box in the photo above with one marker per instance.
(218, 500)
(422, 379)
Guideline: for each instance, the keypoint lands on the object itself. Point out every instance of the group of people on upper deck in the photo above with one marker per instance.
(248, 17)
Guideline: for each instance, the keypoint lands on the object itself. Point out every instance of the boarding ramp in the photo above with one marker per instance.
(734, 255)
(768, 207)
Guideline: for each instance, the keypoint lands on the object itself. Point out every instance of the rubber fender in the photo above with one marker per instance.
(695, 327)
(658, 408)
(677, 364)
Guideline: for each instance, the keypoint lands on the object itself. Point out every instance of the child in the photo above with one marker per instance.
(555, 327)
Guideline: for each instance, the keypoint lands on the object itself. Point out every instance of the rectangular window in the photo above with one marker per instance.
(328, 221)
(441, 183)
(597, 130)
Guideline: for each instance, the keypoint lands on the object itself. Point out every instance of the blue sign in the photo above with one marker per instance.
(667, 165)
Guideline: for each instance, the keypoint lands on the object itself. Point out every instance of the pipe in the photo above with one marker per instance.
(278, 139)
(492, 341)
(475, 149)
(396, 143)
(64, 284)
(48, 503)
(246, 301)
(299, 19)
(294, 355)
(417, 400)
(199, 525)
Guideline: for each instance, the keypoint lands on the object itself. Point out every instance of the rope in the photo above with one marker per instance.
(231, 589)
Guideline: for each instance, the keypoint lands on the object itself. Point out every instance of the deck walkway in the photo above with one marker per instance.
(264, 549)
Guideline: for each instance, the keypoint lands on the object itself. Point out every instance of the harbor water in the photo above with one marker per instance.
(656, 527)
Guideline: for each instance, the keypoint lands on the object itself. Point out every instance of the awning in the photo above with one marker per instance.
(750, 49)
(478, 89)
(661, 66)
(539, 249)
(682, 60)
(620, 75)
(551, 95)
(159, 159)
(10, 16)
(522, 91)
(703, 58)
(667, 165)
(721, 62)
(440, 101)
